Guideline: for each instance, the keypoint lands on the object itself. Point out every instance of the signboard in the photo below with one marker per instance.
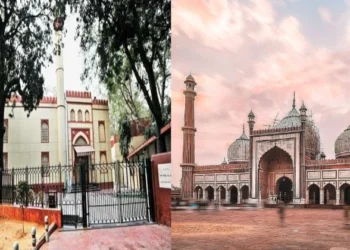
(164, 174)
(329, 174)
(344, 173)
(313, 175)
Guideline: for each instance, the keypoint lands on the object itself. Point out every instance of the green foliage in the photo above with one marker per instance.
(25, 35)
(127, 42)
(124, 130)
(22, 193)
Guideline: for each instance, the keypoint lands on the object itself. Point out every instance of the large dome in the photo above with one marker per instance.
(239, 150)
(342, 144)
(312, 137)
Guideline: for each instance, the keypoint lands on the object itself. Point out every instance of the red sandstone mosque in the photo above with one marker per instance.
(283, 162)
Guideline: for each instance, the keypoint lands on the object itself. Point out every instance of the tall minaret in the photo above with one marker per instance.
(302, 110)
(61, 103)
(188, 161)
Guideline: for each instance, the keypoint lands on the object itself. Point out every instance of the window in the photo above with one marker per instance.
(6, 131)
(101, 131)
(80, 116)
(5, 160)
(45, 162)
(72, 115)
(87, 116)
(44, 131)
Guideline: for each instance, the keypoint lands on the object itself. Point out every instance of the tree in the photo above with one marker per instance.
(131, 38)
(22, 192)
(124, 142)
(25, 34)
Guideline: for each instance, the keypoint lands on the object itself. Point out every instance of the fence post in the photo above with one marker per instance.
(16, 246)
(34, 237)
(27, 174)
(47, 228)
(13, 186)
(119, 191)
(147, 191)
(42, 186)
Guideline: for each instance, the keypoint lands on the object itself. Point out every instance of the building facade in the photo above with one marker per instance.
(62, 130)
(281, 163)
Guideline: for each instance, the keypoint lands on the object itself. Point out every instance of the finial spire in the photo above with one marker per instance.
(294, 100)
(243, 129)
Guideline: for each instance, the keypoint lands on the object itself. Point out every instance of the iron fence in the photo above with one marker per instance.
(86, 194)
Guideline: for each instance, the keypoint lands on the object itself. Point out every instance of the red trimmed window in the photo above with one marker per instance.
(80, 116)
(72, 115)
(87, 116)
(101, 131)
(5, 160)
(6, 135)
(44, 131)
(45, 162)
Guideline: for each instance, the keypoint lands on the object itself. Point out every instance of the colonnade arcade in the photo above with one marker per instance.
(221, 194)
(328, 194)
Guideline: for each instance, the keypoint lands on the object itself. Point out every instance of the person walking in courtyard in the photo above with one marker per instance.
(281, 211)
(346, 216)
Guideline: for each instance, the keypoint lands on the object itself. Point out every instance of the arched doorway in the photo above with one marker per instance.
(233, 195)
(284, 188)
(272, 165)
(245, 194)
(199, 193)
(329, 194)
(80, 162)
(314, 194)
(221, 194)
(210, 193)
(345, 194)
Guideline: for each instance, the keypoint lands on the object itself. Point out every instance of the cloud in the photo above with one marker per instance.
(272, 59)
(325, 14)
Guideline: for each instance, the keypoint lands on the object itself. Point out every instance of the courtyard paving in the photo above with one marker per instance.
(128, 238)
(260, 229)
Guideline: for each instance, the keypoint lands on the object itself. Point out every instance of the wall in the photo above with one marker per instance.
(162, 196)
(24, 145)
(36, 215)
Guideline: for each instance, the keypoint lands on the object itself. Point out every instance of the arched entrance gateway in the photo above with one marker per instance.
(245, 194)
(209, 191)
(329, 194)
(233, 194)
(284, 189)
(345, 194)
(199, 193)
(221, 194)
(276, 175)
(314, 194)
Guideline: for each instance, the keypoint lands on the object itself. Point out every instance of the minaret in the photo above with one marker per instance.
(251, 122)
(302, 153)
(61, 104)
(188, 160)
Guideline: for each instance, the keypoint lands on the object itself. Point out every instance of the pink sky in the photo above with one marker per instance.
(254, 54)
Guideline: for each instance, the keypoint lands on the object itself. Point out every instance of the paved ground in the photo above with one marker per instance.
(128, 238)
(260, 229)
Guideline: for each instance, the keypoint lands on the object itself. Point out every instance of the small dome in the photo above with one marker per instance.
(239, 149)
(323, 155)
(342, 144)
(190, 78)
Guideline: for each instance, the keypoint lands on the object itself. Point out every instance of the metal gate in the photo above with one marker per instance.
(111, 193)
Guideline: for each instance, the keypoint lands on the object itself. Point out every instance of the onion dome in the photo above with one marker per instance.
(239, 149)
(190, 78)
(342, 144)
(292, 119)
(312, 138)
(322, 155)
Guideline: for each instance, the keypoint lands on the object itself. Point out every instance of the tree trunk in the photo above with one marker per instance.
(161, 145)
(2, 111)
